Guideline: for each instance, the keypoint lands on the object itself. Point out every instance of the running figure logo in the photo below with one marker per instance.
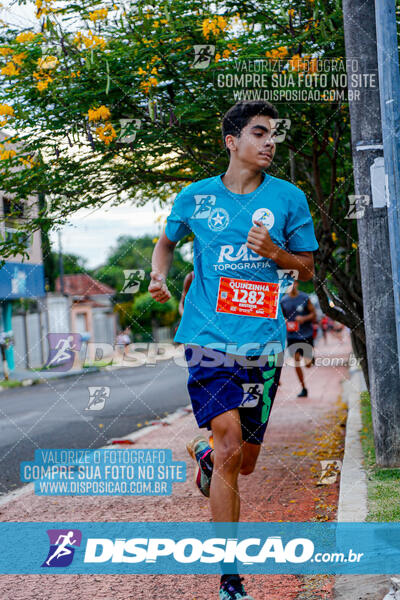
(62, 348)
(203, 54)
(97, 397)
(286, 278)
(133, 277)
(252, 394)
(204, 204)
(61, 551)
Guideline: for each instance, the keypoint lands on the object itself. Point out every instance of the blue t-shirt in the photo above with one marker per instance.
(292, 306)
(218, 312)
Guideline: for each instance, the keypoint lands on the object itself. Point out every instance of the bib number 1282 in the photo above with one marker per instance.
(252, 297)
(248, 298)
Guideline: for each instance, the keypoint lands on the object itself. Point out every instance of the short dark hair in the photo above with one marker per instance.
(240, 114)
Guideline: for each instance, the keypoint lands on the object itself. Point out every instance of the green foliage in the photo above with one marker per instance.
(136, 63)
(135, 253)
(139, 311)
(146, 313)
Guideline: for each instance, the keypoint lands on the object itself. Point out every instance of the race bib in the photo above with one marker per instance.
(292, 325)
(248, 298)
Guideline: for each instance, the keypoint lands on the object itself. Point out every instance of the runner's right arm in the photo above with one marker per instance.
(161, 263)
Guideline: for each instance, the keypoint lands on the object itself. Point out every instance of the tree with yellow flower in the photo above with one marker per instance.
(122, 108)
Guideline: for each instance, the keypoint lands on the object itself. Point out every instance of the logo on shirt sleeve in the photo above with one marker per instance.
(204, 205)
(218, 219)
(265, 216)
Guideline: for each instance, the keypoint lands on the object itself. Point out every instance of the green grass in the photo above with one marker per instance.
(10, 383)
(383, 484)
(97, 363)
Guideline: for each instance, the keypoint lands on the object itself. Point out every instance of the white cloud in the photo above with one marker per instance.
(91, 234)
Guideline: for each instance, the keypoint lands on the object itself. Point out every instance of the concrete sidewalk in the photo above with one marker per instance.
(301, 433)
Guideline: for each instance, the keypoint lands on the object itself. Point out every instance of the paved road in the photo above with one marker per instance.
(53, 415)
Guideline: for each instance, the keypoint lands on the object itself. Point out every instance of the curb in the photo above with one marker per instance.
(353, 496)
(353, 480)
(36, 380)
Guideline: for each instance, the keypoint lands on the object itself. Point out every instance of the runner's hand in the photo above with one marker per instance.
(158, 288)
(260, 241)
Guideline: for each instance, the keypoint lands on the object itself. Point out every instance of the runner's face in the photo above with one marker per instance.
(256, 144)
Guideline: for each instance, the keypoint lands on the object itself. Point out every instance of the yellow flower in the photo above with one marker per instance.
(18, 58)
(226, 53)
(44, 7)
(313, 65)
(154, 71)
(6, 154)
(280, 52)
(25, 37)
(155, 240)
(10, 70)
(90, 41)
(355, 246)
(217, 57)
(47, 62)
(215, 26)
(291, 12)
(142, 71)
(96, 15)
(146, 85)
(99, 114)
(42, 85)
(334, 236)
(4, 51)
(94, 41)
(5, 109)
(29, 162)
(78, 38)
(106, 133)
(296, 63)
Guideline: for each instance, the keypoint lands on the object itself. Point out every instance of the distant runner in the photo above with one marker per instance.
(299, 313)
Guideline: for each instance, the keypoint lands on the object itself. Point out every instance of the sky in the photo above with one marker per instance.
(91, 234)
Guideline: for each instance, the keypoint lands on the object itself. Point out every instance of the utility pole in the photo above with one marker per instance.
(373, 229)
(61, 263)
(389, 88)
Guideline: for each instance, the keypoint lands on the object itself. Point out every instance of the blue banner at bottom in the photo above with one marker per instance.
(199, 548)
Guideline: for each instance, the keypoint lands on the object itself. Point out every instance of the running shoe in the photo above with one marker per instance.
(232, 589)
(200, 450)
(303, 393)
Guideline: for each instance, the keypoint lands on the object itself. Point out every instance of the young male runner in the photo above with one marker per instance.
(300, 314)
(246, 225)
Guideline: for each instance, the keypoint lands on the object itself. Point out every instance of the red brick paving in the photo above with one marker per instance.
(283, 488)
